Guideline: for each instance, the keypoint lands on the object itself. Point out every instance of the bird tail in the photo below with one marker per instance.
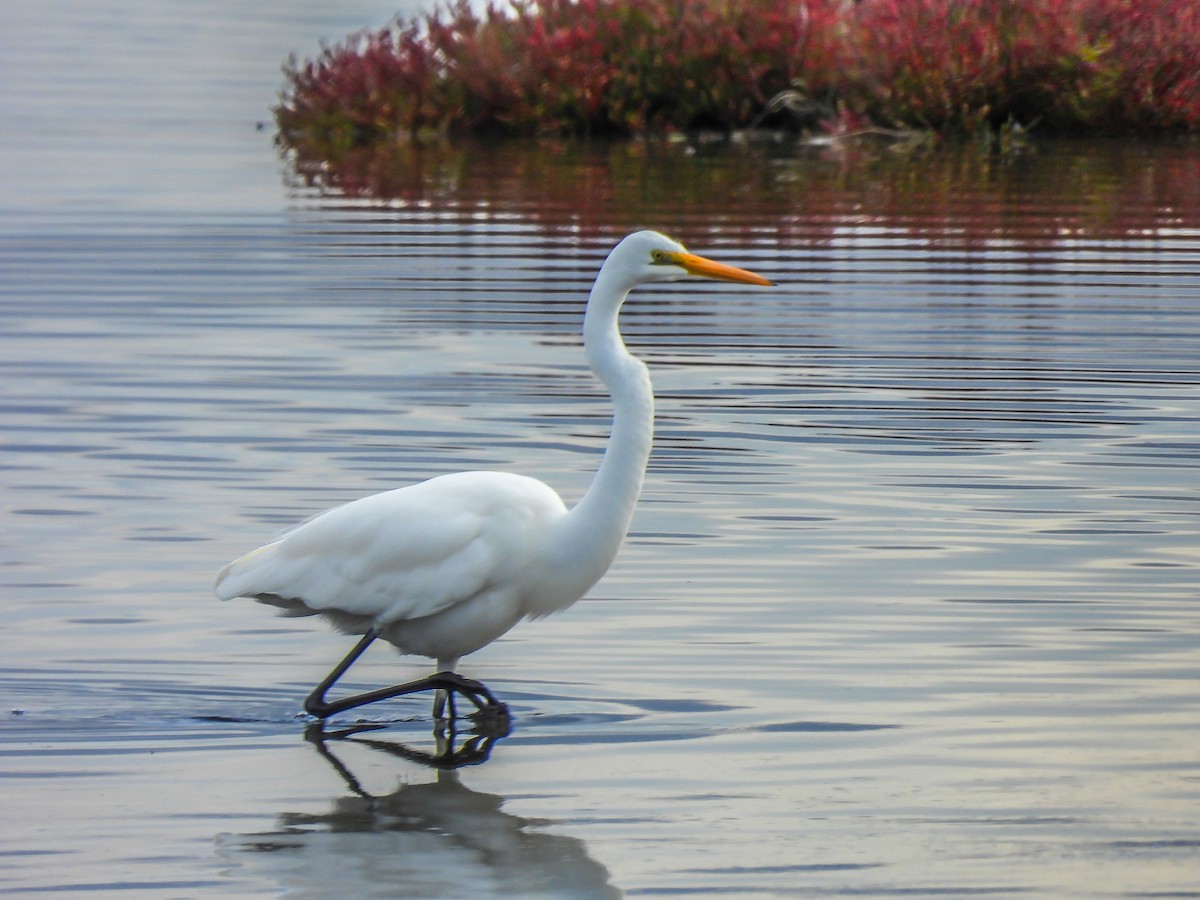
(239, 578)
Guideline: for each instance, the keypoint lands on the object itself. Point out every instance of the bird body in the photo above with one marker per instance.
(444, 567)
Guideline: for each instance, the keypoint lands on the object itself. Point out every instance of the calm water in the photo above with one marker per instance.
(910, 603)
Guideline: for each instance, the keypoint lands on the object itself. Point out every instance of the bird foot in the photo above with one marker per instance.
(491, 715)
(447, 684)
(475, 691)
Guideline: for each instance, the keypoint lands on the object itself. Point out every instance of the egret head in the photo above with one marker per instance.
(647, 256)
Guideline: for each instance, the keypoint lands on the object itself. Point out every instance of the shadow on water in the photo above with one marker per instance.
(436, 838)
(440, 836)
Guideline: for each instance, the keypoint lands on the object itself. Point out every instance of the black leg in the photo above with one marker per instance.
(316, 704)
(476, 692)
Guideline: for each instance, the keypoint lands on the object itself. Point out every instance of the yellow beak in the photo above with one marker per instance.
(707, 268)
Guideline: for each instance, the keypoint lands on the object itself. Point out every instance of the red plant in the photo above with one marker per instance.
(1156, 45)
(631, 66)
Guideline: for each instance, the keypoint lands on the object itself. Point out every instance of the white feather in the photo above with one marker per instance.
(446, 566)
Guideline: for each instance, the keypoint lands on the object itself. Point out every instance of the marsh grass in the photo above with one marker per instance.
(628, 67)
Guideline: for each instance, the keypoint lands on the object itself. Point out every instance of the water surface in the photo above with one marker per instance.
(909, 605)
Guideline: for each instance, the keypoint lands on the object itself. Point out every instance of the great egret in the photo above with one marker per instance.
(444, 567)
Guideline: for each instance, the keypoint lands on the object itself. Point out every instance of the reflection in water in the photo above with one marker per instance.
(431, 839)
(963, 198)
(475, 746)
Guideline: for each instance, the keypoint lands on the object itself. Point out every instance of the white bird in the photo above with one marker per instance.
(444, 567)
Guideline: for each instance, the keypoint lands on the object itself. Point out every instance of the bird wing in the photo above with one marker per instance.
(403, 554)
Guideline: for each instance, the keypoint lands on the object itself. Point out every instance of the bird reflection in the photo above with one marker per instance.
(434, 839)
(452, 749)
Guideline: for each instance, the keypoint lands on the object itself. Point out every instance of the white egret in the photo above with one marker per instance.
(444, 567)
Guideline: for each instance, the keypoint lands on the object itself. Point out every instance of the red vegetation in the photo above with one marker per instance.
(636, 66)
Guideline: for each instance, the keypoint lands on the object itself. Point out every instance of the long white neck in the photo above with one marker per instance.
(601, 518)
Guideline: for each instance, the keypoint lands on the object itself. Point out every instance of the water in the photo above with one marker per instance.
(909, 606)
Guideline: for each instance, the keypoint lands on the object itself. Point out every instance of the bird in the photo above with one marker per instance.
(443, 567)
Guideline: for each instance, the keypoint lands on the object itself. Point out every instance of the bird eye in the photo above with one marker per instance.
(659, 256)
